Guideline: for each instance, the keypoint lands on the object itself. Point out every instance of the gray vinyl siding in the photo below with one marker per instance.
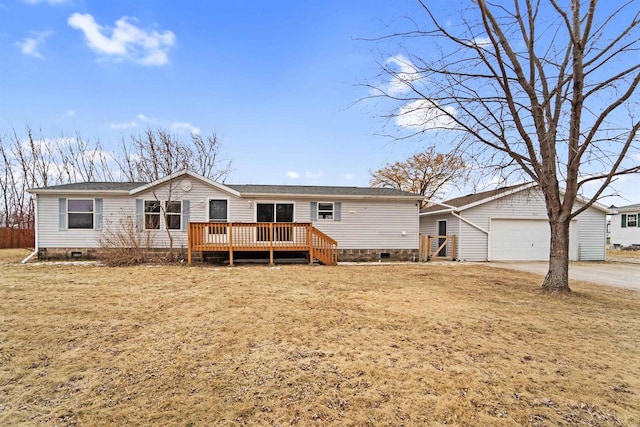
(364, 224)
(592, 235)
(524, 204)
(50, 235)
(429, 226)
(527, 204)
(369, 224)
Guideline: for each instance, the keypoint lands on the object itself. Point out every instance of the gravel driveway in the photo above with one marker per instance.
(621, 274)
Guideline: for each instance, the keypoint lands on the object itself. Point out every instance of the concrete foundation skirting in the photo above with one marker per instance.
(374, 255)
(344, 255)
(153, 254)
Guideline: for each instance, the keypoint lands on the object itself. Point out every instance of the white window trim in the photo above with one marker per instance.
(277, 202)
(145, 213)
(167, 214)
(636, 220)
(93, 213)
(333, 211)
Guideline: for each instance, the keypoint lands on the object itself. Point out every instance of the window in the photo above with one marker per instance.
(151, 215)
(274, 212)
(174, 215)
(632, 220)
(217, 213)
(325, 210)
(80, 213)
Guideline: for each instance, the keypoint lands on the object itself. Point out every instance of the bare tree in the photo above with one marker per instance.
(546, 88)
(158, 153)
(424, 173)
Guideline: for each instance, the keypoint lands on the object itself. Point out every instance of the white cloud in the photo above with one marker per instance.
(425, 114)
(480, 42)
(30, 45)
(184, 126)
(143, 118)
(405, 74)
(126, 41)
(125, 125)
(292, 175)
(348, 176)
(70, 113)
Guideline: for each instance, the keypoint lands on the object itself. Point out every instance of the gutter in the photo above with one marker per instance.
(452, 210)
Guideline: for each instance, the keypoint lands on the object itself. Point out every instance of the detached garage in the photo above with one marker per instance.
(510, 224)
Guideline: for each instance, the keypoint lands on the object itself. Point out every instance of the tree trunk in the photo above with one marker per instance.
(557, 279)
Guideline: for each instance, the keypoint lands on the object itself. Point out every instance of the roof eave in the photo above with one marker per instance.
(497, 196)
(76, 191)
(178, 174)
(329, 196)
(438, 212)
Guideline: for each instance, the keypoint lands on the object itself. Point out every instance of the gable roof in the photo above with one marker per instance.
(470, 200)
(614, 210)
(179, 174)
(466, 202)
(239, 190)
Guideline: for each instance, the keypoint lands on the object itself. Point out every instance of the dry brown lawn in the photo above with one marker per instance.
(419, 344)
(616, 255)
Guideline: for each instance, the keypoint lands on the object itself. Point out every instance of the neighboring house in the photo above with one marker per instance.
(511, 223)
(625, 226)
(367, 223)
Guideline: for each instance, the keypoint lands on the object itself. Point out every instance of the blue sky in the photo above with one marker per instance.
(275, 80)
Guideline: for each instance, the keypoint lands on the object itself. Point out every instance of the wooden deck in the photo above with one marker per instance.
(261, 237)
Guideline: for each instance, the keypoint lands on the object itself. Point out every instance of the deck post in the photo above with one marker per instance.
(271, 236)
(453, 247)
(230, 244)
(310, 241)
(189, 243)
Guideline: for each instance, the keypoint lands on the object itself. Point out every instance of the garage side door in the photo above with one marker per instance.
(524, 240)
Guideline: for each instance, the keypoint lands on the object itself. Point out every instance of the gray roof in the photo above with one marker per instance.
(628, 208)
(94, 186)
(472, 198)
(315, 190)
(299, 190)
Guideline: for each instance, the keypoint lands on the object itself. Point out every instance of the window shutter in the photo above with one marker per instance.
(97, 225)
(624, 221)
(139, 215)
(186, 210)
(314, 211)
(62, 212)
(337, 207)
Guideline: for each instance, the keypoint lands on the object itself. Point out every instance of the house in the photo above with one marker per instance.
(509, 223)
(189, 212)
(624, 230)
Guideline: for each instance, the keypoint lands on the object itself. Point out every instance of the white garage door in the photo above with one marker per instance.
(524, 240)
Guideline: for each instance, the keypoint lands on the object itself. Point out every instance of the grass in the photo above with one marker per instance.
(421, 344)
(618, 254)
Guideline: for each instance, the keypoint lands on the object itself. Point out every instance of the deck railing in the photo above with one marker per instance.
(265, 236)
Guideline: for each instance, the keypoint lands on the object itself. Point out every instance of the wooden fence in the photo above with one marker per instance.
(17, 238)
(437, 247)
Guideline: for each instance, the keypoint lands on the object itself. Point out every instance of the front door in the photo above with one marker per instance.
(442, 231)
(274, 212)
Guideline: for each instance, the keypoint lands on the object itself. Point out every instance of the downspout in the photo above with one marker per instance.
(453, 212)
(456, 215)
(35, 232)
